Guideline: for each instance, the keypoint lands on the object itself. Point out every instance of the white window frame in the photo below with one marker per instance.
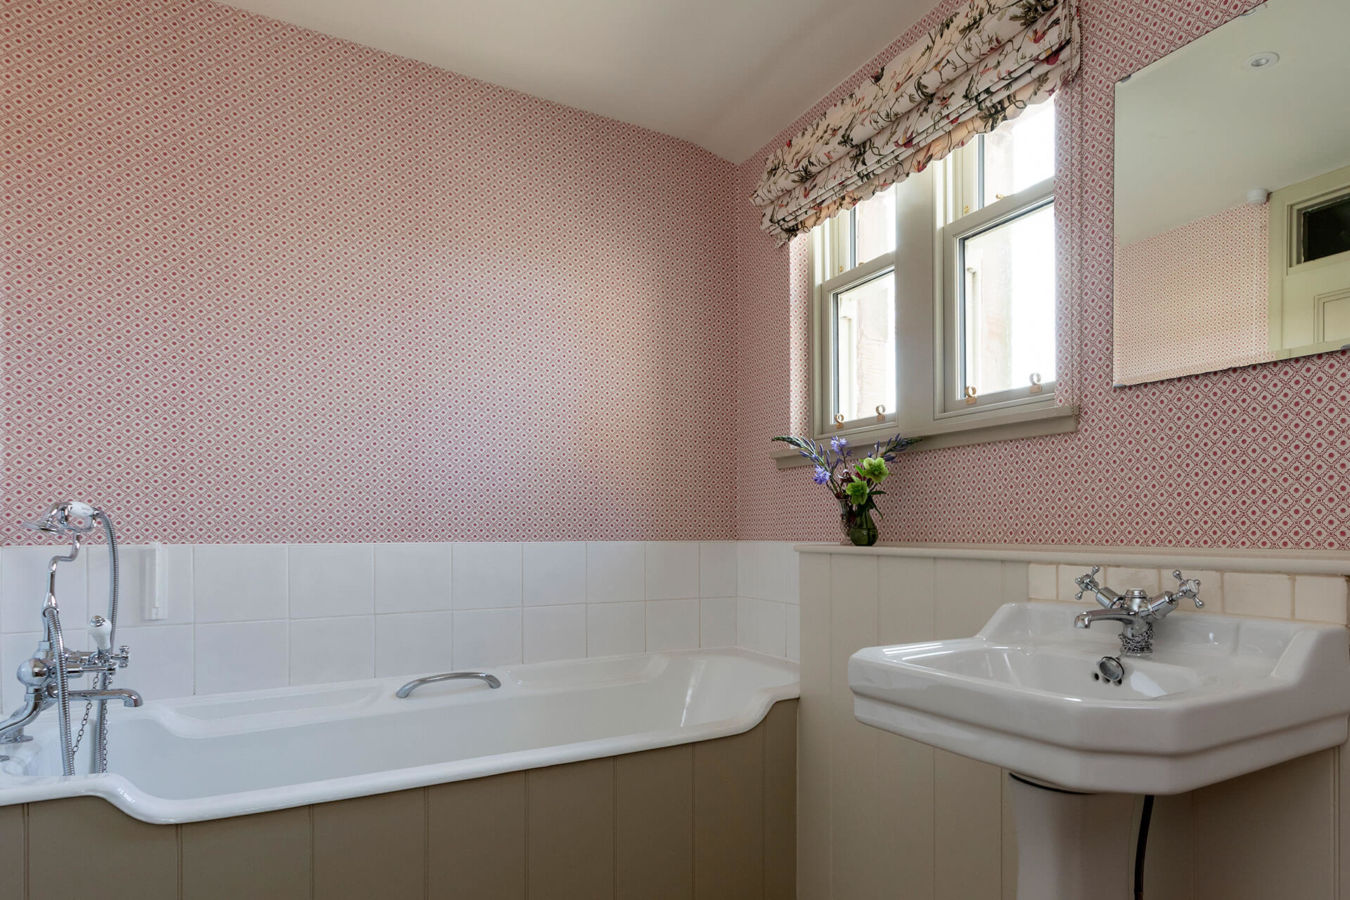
(929, 362)
(950, 400)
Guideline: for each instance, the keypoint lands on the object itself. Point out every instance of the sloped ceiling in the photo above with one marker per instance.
(726, 75)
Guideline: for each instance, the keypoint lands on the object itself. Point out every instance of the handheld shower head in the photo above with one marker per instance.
(72, 517)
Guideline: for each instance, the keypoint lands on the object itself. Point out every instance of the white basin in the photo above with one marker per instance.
(1220, 696)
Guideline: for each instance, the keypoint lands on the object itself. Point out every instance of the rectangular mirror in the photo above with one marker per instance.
(1232, 196)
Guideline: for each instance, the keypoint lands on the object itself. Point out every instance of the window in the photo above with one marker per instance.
(999, 261)
(857, 303)
(935, 299)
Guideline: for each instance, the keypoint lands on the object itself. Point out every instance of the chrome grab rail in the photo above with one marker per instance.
(491, 680)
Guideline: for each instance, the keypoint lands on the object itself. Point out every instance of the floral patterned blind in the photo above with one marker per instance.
(980, 67)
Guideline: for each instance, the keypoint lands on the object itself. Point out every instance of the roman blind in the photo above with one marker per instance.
(979, 67)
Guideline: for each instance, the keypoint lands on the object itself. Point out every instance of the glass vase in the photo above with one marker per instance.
(857, 524)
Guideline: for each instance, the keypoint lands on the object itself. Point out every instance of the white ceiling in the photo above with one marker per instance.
(1198, 129)
(727, 75)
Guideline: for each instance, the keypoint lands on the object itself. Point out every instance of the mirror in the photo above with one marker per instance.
(1232, 193)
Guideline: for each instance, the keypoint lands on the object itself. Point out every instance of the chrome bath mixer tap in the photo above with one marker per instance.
(46, 676)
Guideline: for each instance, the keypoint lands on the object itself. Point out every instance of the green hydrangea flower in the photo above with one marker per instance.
(872, 469)
(857, 491)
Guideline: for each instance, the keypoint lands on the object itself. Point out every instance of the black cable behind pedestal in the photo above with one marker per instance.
(1141, 846)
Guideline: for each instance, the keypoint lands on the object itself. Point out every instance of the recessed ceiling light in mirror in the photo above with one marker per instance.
(1263, 60)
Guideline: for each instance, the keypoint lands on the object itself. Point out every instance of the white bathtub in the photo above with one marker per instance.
(230, 754)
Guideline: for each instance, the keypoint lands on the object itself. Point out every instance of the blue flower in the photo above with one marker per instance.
(838, 444)
(822, 475)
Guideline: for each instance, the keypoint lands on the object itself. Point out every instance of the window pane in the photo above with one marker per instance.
(1008, 303)
(874, 224)
(864, 329)
(1326, 229)
(1020, 152)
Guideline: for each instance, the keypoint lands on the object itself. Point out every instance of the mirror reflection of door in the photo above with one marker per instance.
(1310, 265)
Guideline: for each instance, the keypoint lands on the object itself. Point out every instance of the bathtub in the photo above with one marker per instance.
(211, 757)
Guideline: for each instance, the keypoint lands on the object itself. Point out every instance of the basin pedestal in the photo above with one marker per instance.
(1071, 845)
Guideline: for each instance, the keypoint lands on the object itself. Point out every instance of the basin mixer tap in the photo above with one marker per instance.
(1134, 609)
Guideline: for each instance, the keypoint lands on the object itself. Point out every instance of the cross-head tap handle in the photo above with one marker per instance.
(1188, 587)
(1087, 582)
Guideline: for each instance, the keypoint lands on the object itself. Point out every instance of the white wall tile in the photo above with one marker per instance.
(1255, 594)
(793, 623)
(717, 622)
(1320, 599)
(241, 656)
(761, 625)
(613, 629)
(672, 570)
(412, 578)
(239, 582)
(773, 627)
(752, 561)
(136, 579)
(338, 649)
(1124, 578)
(331, 580)
(487, 637)
(672, 624)
(555, 573)
(555, 632)
(717, 569)
(23, 588)
(747, 623)
(780, 577)
(614, 572)
(486, 575)
(1042, 582)
(14, 649)
(161, 660)
(413, 643)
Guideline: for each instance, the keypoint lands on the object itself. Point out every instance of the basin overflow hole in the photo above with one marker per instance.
(1109, 669)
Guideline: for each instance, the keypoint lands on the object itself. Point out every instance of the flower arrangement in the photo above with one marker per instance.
(856, 485)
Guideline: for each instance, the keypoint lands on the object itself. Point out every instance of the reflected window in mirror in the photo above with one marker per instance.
(1324, 230)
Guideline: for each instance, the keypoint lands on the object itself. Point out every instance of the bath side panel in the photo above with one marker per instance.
(476, 839)
(371, 847)
(571, 831)
(655, 858)
(134, 861)
(266, 855)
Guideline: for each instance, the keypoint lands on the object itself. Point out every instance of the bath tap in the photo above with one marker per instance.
(126, 695)
(46, 676)
(490, 680)
(1134, 609)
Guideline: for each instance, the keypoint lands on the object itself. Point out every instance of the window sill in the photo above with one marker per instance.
(1038, 423)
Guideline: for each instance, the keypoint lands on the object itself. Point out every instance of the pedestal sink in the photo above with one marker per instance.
(1219, 697)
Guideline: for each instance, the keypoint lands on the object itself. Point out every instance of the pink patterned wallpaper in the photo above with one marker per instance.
(1194, 298)
(1255, 457)
(263, 285)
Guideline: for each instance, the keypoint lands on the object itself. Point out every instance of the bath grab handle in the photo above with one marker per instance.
(491, 680)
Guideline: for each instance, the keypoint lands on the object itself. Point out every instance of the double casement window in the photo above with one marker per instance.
(935, 299)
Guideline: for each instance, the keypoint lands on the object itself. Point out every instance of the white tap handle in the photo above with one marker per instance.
(100, 631)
